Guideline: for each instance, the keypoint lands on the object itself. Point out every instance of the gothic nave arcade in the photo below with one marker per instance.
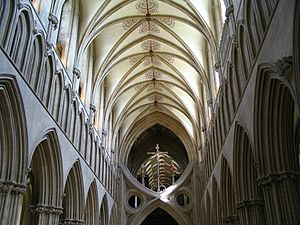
(141, 112)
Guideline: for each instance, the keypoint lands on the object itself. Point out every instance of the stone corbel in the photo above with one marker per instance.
(284, 66)
(53, 20)
(229, 11)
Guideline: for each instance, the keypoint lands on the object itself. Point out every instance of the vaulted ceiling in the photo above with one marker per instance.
(152, 57)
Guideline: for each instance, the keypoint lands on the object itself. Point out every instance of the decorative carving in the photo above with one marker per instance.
(133, 60)
(147, 6)
(73, 222)
(129, 23)
(151, 60)
(217, 66)
(229, 219)
(229, 11)
(8, 187)
(170, 86)
(76, 72)
(168, 57)
(92, 108)
(210, 103)
(168, 21)
(150, 45)
(46, 209)
(139, 87)
(153, 74)
(53, 20)
(276, 178)
(155, 97)
(154, 86)
(149, 27)
(284, 66)
(249, 203)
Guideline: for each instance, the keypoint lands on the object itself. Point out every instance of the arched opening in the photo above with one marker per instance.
(157, 158)
(159, 217)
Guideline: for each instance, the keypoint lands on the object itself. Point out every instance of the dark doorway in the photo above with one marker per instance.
(159, 217)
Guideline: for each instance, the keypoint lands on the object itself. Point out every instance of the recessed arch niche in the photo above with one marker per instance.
(143, 163)
(159, 217)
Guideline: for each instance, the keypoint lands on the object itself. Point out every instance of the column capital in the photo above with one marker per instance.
(46, 209)
(7, 187)
(76, 72)
(53, 20)
(249, 203)
(276, 178)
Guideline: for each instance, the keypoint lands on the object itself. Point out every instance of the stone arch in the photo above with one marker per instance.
(227, 194)
(18, 47)
(113, 216)
(164, 120)
(56, 95)
(13, 150)
(244, 51)
(73, 201)
(92, 205)
(34, 64)
(72, 124)
(275, 113)
(216, 202)
(253, 26)
(248, 196)
(7, 16)
(274, 118)
(104, 210)
(44, 187)
(46, 79)
(64, 111)
(139, 217)
(67, 33)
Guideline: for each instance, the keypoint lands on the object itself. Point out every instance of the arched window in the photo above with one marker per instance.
(67, 34)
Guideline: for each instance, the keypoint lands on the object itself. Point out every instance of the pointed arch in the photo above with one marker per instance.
(73, 201)
(227, 193)
(104, 211)
(276, 147)
(216, 202)
(13, 132)
(34, 62)
(13, 150)
(92, 205)
(55, 100)
(139, 217)
(46, 179)
(46, 78)
(68, 32)
(274, 118)
(244, 166)
(20, 40)
(249, 196)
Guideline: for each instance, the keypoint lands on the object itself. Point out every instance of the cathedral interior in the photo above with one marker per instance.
(149, 112)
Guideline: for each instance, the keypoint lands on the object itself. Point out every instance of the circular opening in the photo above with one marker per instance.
(183, 199)
(134, 201)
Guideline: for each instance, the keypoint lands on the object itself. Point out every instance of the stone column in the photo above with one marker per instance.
(46, 215)
(251, 212)
(282, 198)
(11, 200)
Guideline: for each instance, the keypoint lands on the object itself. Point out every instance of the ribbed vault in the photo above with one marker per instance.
(149, 56)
